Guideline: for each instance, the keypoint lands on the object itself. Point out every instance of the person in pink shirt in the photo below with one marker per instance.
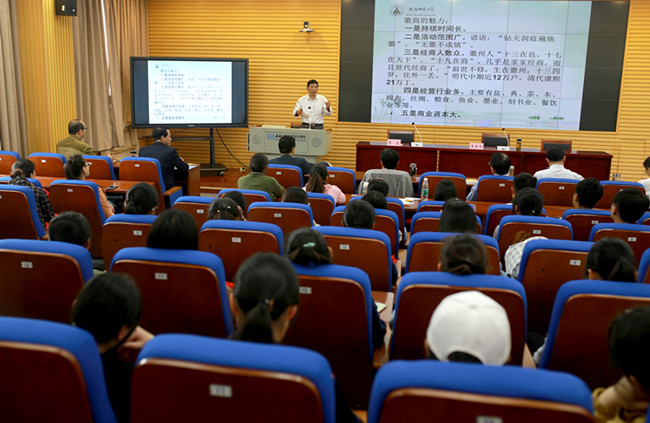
(318, 183)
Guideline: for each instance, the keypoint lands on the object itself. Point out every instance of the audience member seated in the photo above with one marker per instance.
(225, 209)
(109, 307)
(174, 229)
(263, 304)
(77, 168)
(457, 216)
(318, 183)
(308, 247)
(588, 192)
(378, 185)
(167, 156)
(555, 158)
(499, 165)
(399, 181)
(469, 327)
(463, 255)
(238, 198)
(646, 170)
(287, 147)
(629, 205)
(72, 227)
(74, 144)
(521, 181)
(376, 199)
(611, 259)
(257, 179)
(20, 171)
(629, 348)
(141, 198)
(528, 202)
(445, 190)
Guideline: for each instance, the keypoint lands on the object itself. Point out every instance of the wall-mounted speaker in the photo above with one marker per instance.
(65, 7)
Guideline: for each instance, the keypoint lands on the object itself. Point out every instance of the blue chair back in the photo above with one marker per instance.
(287, 383)
(582, 220)
(644, 266)
(7, 159)
(103, 167)
(434, 177)
(494, 188)
(48, 164)
(637, 236)
(343, 178)
(557, 191)
(34, 181)
(322, 206)
(18, 213)
(286, 174)
(427, 204)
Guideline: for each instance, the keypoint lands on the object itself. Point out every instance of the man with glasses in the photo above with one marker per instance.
(74, 143)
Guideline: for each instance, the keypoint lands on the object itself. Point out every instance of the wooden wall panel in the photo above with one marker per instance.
(283, 59)
(46, 50)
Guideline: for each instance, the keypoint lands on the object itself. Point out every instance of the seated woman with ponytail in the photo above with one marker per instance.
(20, 171)
(142, 198)
(318, 183)
(225, 209)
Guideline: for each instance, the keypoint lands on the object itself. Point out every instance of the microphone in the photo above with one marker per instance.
(418, 131)
(309, 108)
(506, 135)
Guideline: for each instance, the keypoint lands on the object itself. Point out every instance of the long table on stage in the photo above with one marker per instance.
(474, 163)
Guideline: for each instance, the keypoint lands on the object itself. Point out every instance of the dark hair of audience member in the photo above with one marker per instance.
(295, 195)
(74, 166)
(378, 185)
(307, 246)
(359, 214)
(500, 162)
(589, 192)
(317, 178)
(646, 163)
(286, 144)
(376, 199)
(259, 162)
(463, 255)
(224, 209)
(445, 190)
(107, 303)
(528, 202)
(613, 260)
(237, 197)
(523, 180)
(141, 198)
(174, 229)
(22, 168)
(629, 344)
(457, 216)
(389, 158)
(555, 155)
(71, 227)
(265, 286)
(631, 204)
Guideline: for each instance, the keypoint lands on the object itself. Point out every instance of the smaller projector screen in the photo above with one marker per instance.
(189, 92)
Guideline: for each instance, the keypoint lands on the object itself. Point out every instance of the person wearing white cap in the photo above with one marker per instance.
(469, 326)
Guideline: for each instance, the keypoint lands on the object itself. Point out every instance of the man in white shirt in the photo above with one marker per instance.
(312, 107)
(555, 159)
(646, 182)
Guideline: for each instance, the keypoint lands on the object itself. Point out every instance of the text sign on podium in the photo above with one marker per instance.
(310, 143)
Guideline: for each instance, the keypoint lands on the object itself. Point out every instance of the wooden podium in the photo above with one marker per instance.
(311, 144)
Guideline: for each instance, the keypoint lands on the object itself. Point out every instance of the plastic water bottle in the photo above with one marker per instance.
(425, 189)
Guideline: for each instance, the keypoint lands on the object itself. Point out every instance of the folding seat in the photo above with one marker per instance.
(147, 169)
(343, 178)
(637, 236)
(434, 177)
(386, 221)
(423, 252)
(245, 382)
(582, 220)
(367, 249)
(430, 222)
(548, 227)
(495, 213)
(644, 267)
(7, 159)
(286, 175)
(82, 197)
(466, 392)
(419, 293)
(101, 167)
(288, 216)
(51, 372)
(18, 214)
(545, 265)
(234, 241)
(41, 279)
(557, 192)
(251, 196)
(578, 334)
(48, 164)
(322, 206)
(196, 206)
(124, 230)
(344, 336)
(182, 290)
(494, 188)
(429, 205)
(611, 188)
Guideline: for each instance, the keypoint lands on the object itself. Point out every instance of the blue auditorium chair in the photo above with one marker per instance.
(288, 216)
(434, 177)
(124, 230)
(18, 213)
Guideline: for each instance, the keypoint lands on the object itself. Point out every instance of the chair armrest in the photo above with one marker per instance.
(171, 191)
